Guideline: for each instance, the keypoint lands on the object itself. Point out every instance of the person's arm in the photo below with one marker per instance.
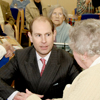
(2, 51)
(85, 86)
(6, 49)
(23, 96)
(7, 75)
(10, 18)
(12, 95)
(9, 49)
(28, 16)
(82, 6)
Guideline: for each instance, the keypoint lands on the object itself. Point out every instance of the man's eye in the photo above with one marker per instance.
(38, 35)
(48, 34)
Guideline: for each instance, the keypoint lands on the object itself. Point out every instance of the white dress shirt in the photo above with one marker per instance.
(40, 64)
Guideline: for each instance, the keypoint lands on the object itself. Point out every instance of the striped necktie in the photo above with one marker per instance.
(43, 67)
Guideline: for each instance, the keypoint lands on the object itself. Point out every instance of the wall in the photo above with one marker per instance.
(9, 1)
(69, 5)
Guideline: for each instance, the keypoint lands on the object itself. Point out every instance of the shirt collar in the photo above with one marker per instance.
(46, 57)
(97, 61)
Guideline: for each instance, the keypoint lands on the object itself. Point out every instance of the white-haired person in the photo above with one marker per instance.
(59, 17)
(85, 43)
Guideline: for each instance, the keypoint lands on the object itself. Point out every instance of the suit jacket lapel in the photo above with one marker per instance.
(49, 73)
(33, 70)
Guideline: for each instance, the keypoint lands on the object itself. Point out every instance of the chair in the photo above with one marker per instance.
(23, 29)
(87, 16)
(74, 12)
(3, 61)
(16, 15)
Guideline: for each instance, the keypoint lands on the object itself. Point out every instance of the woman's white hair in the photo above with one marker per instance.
(85, 37)
(52, 8)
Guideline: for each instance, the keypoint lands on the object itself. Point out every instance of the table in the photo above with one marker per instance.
(11, 40)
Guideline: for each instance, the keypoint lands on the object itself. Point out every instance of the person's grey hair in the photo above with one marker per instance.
(85, 37)
(63, 10)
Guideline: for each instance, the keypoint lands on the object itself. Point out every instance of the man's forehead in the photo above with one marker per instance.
(40, 23)
(41, 26)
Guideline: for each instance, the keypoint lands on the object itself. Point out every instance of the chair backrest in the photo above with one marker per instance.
(14, 12)
(74, 12)
(3, 61)
(88, 16)
(23, 28)
(22, 19)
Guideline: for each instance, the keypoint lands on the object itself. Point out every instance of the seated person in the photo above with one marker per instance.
(6, 50)
(34, 9)
(85, 6)
(41, 68)
(85, 43)
(6, 18)
(59, 17)
(20, 4)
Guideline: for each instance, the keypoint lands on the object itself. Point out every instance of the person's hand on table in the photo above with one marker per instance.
(9, 49)
(9, 54)
(24, 96)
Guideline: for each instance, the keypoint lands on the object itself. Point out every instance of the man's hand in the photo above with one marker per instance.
(30, 93)
(9, 49)
(20, 96)
(23, 96)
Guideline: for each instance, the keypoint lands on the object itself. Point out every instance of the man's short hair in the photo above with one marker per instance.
(44, 19)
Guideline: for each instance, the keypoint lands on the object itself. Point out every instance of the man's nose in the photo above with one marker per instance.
(44, 39)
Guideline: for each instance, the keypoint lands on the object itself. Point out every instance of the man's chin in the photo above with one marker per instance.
(44, 53)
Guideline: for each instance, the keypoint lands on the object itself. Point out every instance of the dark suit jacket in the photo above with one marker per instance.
(7, 15)
(59, 71)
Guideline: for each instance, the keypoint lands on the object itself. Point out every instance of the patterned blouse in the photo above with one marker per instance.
(83, 8)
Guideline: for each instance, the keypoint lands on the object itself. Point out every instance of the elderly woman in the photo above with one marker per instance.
(59, 17)
(85, 43)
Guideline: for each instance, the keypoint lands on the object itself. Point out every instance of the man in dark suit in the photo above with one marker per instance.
(26, 66)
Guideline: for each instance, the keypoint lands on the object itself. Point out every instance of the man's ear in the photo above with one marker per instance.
(55, 32)
(30, 36)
